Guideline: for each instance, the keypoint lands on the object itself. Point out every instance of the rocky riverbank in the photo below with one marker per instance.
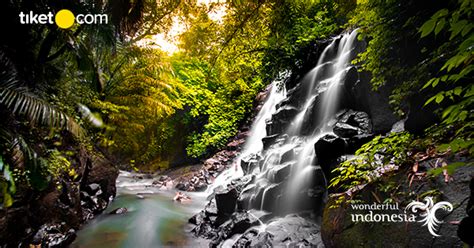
(50, 218)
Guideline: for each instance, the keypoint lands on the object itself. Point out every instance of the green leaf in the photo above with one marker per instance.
(466, 45)
(469, 92)
(7, 197)
(433, 82)
(440, 13)
(454, 62)
(448, 110)
(7, 200)
(465, 72)
(439, 98)
(457, 27)
(440, 25)
(463, 115)
(458, 91)
(466, 29)
(427, 27)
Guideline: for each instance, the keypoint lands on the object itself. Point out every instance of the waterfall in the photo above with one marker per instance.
(286, 167)
(329, 90)
(339, 69)
(258, 131)
(253, 144)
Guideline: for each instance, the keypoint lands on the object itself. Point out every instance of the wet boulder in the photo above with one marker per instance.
(249, 163)
(329, 147)
(200, 186)
(241, 182)
(119, 211)
(226, 200)
(290, 231)
(91, 199)
(360, 120)
(270, 197)
(204, 230)
(245, 198)
(211, 209)
(103, 173)
(351, 123)
(281, 172)
(182, 186)
(162, 182)
(375, 103)
(238, 223)
(207, 217)
(269, 140)
(197, 219)
(294, 96)
(351, 78)
(288, 156)
(286, 113)
(53, 235)
(93, 188)
(246, 239)
(345, 130)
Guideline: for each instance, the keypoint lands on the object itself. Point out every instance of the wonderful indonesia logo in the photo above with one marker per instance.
(423, 212)
(64, 18)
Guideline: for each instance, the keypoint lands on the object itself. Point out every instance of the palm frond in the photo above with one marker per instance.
(19, 101)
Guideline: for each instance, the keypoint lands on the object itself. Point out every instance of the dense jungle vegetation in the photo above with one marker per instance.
(112, 89)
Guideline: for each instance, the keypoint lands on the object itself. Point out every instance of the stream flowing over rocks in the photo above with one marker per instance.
(143, 214)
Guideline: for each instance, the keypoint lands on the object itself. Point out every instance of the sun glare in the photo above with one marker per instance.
(168, 42)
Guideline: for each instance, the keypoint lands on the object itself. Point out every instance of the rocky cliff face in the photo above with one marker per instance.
(50, 218)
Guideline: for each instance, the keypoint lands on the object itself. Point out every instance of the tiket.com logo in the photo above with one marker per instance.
(64, 18)
(428, 212)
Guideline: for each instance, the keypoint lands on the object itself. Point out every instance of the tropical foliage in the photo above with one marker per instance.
(373, 160)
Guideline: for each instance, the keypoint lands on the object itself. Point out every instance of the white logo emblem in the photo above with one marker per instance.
(429, 212)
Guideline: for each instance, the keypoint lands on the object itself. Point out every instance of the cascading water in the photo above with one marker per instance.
(254, 143)
(258, 132)
(329, 104)
(277, 173)
(287, 167)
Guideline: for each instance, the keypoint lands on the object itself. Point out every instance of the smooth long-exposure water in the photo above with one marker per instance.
(153, 218)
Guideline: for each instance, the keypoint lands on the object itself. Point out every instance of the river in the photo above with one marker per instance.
(153, 219)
